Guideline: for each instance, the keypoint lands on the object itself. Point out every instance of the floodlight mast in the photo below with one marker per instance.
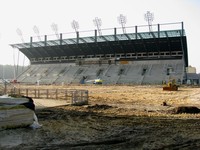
(54, 27)
(97, 22)
(149, 17)
(75, 25)
(19, 32)
(36, 30)
(122, 20)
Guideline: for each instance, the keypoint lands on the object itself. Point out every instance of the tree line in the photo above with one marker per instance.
(10, 71)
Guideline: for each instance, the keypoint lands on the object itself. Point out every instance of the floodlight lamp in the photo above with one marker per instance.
(35, 29)
(19, 32)
(122, 19)
(149, 16)
(54, 27)
(97, 21)
(75, 25)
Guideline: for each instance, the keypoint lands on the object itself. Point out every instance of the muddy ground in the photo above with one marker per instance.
(117, 117)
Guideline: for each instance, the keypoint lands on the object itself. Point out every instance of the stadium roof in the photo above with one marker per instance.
(131, 42)
(106, 38)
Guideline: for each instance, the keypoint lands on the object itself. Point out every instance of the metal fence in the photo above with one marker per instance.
(72, 96)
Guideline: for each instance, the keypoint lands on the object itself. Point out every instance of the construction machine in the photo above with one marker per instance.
(170, 86)
(95, 81)
(98, 81)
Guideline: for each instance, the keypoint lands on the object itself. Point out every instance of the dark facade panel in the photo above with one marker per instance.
(113, 47)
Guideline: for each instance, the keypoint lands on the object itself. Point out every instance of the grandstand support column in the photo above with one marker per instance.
(95, 35)
(31, 41)
(115, 33)
(136, 33)
(45, 40)
(158, 39)
(115, 36)
(159, 31)
(182, 25)
(77, 37)
(136, 37)
(60, 38)
(95, 39)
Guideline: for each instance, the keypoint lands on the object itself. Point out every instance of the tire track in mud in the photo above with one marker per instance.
(69, 127)
(93, 130)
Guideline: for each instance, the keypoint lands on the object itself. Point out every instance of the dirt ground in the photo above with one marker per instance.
(117, 117)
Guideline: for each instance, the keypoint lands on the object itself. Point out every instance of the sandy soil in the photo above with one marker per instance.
(117, 117)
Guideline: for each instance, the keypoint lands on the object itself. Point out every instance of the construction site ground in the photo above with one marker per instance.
(116, 117)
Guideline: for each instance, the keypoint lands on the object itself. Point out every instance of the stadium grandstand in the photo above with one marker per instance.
(136, 56)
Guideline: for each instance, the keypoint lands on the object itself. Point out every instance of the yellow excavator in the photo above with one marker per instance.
(170, 86)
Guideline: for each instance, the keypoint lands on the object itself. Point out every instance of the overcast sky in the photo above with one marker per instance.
(24, 14)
